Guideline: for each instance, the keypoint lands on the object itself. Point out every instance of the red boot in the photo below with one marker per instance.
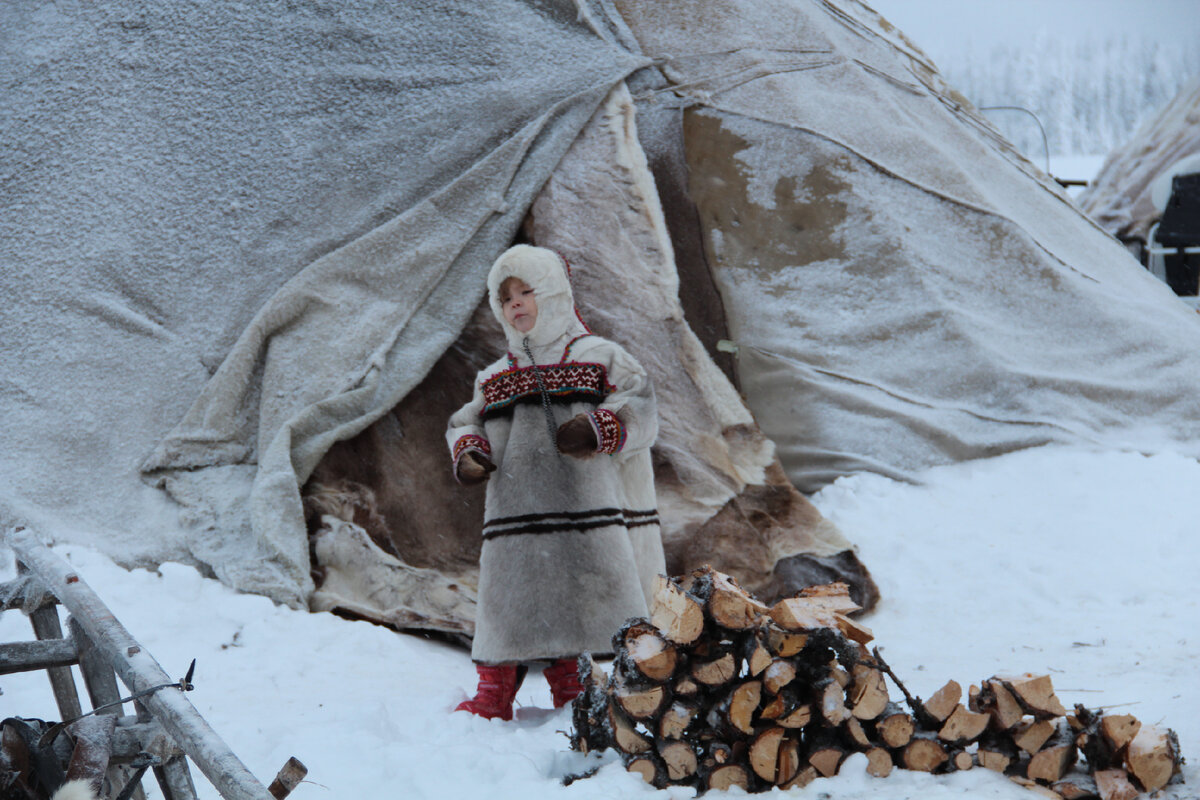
(497, 688)
(563, 676)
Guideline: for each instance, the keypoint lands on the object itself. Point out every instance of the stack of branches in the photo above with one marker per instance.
(716, 689)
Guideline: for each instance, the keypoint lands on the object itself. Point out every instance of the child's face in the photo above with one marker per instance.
(518, 303)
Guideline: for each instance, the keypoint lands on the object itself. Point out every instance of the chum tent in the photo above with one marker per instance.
(244, 249)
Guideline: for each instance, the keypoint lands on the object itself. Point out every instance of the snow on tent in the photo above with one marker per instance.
(244, 250)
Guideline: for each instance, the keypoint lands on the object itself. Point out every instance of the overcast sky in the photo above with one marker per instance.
(949, 26)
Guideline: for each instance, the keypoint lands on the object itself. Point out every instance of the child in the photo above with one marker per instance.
(561, 429)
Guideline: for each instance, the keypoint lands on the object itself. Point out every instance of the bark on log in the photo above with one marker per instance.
(624, 735)
(996, 751)
(784, 643)
(649, 766)
(1077, 786)
(726, 603)
(288, 778)
(740, 707)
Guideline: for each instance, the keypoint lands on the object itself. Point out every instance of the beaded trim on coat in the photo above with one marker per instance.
(574, 381)
(471, 442)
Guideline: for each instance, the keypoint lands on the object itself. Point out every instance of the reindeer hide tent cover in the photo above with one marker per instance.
(244, 248)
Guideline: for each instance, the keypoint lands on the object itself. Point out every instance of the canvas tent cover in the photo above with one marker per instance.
(235, 233)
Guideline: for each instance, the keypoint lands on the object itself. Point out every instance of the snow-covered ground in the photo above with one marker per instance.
(1077, 563)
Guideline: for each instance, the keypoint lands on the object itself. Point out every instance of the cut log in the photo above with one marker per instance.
(686, 686)
(679, 616)
(650, 767)
(832, 700)
(784, 643)
(1118, 730)
(832, 596)
(642, 649)
(1032, 735)
(779, 674)
(1113, 784)
(716, 672)
(727, 776)
(794, 614)
(963, 727)
(756, 656)
(1036, 695)
(1034, 787)
(679, 758)
(827, 758)
(943, 702)
(676, 719)
(996, 752)
(924, 753)
(852, 629)
(868, 695)
(740, 707)
(803, 778)
(895, 726)
(1152, 757)
(856, 734)
(998, 702)
(1054, 759)
(624, 735)
(879, 762)
(962, 761)
(288, 778)
(799, 717)
(727, 603)
(764, 753)
(788, 762)
(1076, 786)
(638, 702)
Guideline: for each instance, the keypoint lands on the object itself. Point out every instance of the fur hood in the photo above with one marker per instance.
(546, 272)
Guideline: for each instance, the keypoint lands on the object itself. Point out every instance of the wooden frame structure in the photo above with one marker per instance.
(166, 729)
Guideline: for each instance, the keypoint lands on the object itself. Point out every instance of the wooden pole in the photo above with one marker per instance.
(139, 671)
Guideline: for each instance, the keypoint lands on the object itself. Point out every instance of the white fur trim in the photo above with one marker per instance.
(545, 272)
(75, 790)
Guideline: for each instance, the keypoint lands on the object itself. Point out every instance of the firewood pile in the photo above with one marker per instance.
(716, 690)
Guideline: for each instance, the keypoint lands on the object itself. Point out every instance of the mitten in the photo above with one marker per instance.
(474, 467)
(576, 437)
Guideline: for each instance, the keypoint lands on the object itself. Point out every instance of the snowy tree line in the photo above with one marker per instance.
(1091, 93)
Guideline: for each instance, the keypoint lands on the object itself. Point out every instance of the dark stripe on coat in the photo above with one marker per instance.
(562, 523)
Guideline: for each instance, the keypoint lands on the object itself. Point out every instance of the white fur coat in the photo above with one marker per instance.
(571, 545)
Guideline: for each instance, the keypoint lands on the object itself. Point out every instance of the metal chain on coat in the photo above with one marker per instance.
(551, 425)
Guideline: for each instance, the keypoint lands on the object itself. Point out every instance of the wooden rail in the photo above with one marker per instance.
(94, 622)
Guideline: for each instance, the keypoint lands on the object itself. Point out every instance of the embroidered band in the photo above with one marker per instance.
(610, 432)
(574, 381)
(471, 442)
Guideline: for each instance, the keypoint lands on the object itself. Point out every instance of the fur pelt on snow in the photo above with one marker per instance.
(570, 545)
